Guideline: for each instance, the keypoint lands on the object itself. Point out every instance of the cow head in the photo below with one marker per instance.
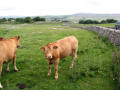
(50, 51)
(17, 38)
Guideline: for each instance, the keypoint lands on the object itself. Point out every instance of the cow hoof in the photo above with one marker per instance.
(71, 66)
(16, 70)
(56, 77)
(48, 74)
(1, 86)
(7, 70)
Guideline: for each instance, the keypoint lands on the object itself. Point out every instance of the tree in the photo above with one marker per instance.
(88, 21)
(28, 20)
(111, 21)
(36, 19)
(10, 19)
(2, 20)
(19, 20)
(42, 19)
(103, 21)
(95, 22)
(81, 22)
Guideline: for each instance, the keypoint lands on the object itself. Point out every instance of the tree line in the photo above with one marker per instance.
(21, 20)
(89, 21)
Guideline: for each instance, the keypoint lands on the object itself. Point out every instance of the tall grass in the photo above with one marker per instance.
(116, 67)
(116, 62)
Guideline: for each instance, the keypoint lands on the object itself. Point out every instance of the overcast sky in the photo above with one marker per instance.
(57, 7)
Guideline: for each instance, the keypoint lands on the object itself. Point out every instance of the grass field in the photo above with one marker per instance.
(110, 25)
(93, 67)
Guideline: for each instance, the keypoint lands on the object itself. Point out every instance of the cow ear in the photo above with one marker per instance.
(42, 48)
(55, 47)
(18, 37)
(1, 38)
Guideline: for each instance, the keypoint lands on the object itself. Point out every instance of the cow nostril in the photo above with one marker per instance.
(18, 46)
(49, 57)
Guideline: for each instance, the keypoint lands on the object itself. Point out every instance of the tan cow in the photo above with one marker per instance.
(8, 50)
(1, 39)
(60, 49)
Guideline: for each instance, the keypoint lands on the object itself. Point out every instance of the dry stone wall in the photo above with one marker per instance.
(112, 34)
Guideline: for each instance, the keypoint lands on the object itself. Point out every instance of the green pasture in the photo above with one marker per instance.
(93, 67)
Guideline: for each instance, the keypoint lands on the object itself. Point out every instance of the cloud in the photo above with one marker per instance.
(57, 7)
(94, 3)
(7, 9)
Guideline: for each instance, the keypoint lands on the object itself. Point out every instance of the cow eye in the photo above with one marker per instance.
(55, 47)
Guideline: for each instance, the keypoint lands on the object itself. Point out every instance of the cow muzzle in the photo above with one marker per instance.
(49, 57)
(18, 46)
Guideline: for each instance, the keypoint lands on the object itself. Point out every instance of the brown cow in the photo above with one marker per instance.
(60, 49)
(8, 50)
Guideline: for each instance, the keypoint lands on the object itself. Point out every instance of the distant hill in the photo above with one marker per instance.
(76, 17)
(85, 16)
(88, 15)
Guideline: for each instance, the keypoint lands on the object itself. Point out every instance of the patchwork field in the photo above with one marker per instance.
(93, 67)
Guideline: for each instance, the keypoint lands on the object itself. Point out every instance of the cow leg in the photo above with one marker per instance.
(1, 63)
(56, 68)
(0, 73)
(14, 62)
(49, 72)
(74, 56)
(8, 69)
(1, 86)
